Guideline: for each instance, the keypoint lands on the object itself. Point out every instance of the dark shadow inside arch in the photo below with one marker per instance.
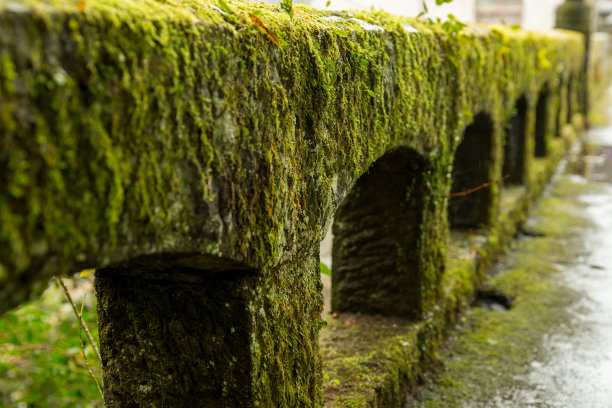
(569, 108)
(472, 168)
(514, 145)
(541, 125)
(376, 256)
(159, 317)
(558, 124)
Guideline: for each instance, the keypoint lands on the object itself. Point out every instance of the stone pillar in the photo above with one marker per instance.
(576, 15)
(228, 338)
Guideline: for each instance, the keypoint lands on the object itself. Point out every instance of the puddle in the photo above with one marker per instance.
(493, 299)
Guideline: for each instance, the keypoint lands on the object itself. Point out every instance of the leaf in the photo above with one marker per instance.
(261, 25)
(328, 3)
(225, 7)
(324, 269)
(543, 61)
(425, 7)
(287, 5)
(257, 12)
(86, 272)
(467, 114)
(341, 32)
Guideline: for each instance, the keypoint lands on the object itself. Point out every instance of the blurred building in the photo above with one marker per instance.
(529, 14)
(500, 11)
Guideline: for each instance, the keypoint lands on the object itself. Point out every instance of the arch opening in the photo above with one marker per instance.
(541, 125)
(376, 257)
(472, 167)
(558, 124)
(568, 100)
(514, 146)
(176, 327)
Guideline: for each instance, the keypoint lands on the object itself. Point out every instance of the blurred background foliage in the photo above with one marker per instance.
(41, 360)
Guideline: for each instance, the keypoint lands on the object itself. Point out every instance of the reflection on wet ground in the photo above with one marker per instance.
(578, 372)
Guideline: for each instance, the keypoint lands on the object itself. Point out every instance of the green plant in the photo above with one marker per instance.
(325, 269)
(41, 357)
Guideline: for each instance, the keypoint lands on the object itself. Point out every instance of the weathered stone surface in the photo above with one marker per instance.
(130, 130)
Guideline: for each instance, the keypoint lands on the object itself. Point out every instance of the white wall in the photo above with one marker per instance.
(464, 10)
(539, 15)
(405, 8)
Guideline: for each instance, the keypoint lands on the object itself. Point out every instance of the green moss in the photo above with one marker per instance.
(135, 130)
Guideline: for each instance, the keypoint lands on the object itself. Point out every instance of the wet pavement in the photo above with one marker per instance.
(554, 349)
(579, 370)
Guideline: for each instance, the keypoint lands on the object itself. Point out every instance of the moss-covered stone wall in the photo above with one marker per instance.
(177, 141)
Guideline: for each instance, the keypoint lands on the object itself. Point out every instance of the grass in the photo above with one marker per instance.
(41, 361)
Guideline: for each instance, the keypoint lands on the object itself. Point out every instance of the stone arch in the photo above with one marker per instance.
(514, 145)
(541, 125)
(377, 260)
(472, 167)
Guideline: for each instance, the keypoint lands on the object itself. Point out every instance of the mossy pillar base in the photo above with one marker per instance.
(234, 339)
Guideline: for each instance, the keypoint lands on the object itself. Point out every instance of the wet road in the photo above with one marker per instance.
(579, 370)
(554, 349)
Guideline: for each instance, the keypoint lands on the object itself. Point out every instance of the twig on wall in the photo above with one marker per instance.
(480, 187)
(79, 317)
